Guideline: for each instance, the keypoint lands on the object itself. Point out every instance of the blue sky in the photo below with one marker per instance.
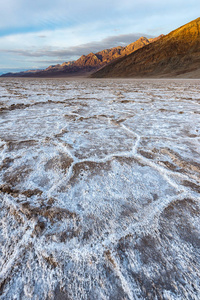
(37, 33)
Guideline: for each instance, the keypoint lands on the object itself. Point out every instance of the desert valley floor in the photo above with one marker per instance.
(99, 189)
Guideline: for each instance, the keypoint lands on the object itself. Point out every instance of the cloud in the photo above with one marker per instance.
(20, 16)
(116, 40)
(76, 51)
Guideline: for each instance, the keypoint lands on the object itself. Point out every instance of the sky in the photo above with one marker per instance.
(37, 33)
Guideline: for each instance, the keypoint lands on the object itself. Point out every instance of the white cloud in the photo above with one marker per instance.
(78, 50)
(48, 14)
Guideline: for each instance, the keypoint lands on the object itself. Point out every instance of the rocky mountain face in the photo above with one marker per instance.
(174, 55)
(87, 63)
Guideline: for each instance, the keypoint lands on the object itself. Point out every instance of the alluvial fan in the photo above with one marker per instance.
(99, 189)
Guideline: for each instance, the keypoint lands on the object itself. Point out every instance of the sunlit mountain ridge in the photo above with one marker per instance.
(87, 64)
(174, 55)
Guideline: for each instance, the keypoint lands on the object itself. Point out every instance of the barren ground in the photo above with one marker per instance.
(99, 189)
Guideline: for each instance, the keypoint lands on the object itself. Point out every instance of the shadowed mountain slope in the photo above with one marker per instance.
(86, 64)
(174, 55)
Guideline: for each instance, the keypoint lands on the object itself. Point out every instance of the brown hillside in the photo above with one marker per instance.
(172, 55)
(87, 64)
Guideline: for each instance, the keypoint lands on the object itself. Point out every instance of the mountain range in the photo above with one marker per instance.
(87, 64)
(174, 55)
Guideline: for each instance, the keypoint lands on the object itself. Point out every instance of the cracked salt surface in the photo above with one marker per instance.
(99, 189)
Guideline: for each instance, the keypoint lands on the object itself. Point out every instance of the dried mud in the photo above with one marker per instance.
(99, 189)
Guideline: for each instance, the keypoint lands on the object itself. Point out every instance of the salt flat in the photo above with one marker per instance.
(99, 189)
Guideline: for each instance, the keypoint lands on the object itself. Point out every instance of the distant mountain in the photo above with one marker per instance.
(86, 64)
(174, 55)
